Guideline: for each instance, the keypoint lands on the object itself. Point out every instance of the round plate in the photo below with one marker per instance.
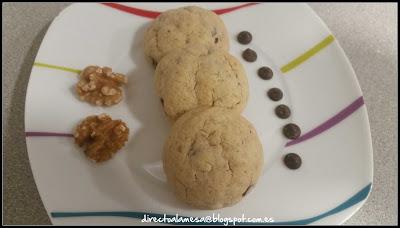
(310, 67)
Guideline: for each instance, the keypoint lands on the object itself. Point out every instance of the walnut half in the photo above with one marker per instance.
(100, 86)
(101, 136)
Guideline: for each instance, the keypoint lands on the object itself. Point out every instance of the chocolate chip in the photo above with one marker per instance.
(247, 190)
(162, 101)
(282, 111)
(292, 161)
(265, 73)
(154, 62)
(244, 37)
(275, 94)
(249, 55)
(216, 40)
(291, 131)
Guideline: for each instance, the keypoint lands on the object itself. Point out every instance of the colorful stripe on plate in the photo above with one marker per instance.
(57, 67)
(308, 54)
(321, 128)
(290, 66)
(46, 134)
(343, 114)
(356, 198)
(154, 14)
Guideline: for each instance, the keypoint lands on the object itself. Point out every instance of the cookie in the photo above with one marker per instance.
(212, 158)
(199, 76)
(179, 28)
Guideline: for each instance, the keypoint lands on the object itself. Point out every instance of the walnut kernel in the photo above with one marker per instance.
(100, 86)
(101, 136)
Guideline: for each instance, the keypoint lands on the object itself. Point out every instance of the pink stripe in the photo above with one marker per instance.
(314, 132)
(154, 14)
(329, 123)
(39, 134)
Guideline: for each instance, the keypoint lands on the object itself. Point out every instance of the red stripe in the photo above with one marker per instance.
(132, 10)
(154, 14)
(227, 10)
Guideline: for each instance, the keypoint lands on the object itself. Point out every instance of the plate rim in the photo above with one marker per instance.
(343, 56)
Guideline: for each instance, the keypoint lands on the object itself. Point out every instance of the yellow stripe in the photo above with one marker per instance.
(308, 54)
(57, 67)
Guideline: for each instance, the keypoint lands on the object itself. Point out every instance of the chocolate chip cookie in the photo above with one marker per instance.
(212, 158)
(179, 28)
(199, 76)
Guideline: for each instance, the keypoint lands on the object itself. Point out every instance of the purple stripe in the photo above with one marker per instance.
(329, 123)
(35, 133)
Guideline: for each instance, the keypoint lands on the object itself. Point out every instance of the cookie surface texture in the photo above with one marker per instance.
(212, 158)
(179, 28)
(197, 76)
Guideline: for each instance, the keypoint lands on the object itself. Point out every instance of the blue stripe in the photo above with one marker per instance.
(358, 197)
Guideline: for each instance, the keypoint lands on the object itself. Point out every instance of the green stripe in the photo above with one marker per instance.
(308, 54)
(57, 67)
(358, 197)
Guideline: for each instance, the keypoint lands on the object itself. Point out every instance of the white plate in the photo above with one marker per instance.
(309, 65)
